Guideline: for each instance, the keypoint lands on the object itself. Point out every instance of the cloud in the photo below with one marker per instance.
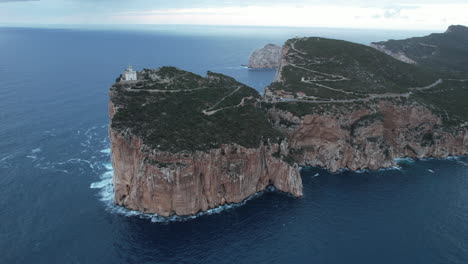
(4, 1)
(424, 16)
(415, 14)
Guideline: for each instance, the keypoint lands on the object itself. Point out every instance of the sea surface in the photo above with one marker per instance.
(55, 173)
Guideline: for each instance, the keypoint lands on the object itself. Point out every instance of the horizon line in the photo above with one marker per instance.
(112, 25)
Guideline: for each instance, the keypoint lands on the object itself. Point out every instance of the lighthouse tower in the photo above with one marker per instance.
(129, 74)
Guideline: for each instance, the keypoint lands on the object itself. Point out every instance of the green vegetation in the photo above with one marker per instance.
(448, 100)
(443, 51)
(174, 121)
(302, 108)
(174, 110)
(335, 69)
(346, 73)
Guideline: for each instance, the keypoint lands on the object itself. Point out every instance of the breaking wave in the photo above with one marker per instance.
(106, 195)
(100, 164)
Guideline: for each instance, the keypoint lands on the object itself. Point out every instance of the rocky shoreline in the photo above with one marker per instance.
(182, 144)
(267, 57)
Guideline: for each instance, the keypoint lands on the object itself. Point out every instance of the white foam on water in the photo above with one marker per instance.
(36, 150)
(6, 158)
(412, 160)
(458, 160)
(404, 160)
(33, 157)
(108, 166)
(106, 195)
(76, 160)
(106, 151)
(368, 170)
(431, 171)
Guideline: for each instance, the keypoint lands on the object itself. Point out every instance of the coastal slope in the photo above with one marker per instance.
(348, 106)
(446, 51)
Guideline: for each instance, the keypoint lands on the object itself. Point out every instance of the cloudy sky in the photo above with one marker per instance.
(388, 14)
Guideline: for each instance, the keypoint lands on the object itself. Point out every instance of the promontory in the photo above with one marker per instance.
(267, 57)
(182, 143)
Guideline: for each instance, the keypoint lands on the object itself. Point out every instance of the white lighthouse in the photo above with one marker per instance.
(129, 74)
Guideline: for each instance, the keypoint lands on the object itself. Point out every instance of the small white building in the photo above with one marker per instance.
(129, 74)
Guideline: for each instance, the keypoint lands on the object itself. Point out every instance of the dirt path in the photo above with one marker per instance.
(322, 73)
(327, 87)
(458, 80)
(222, 99)
(338, 78)
(168, 91)
(212, 112)
(296, 50)
(439, 81)
(366, 99)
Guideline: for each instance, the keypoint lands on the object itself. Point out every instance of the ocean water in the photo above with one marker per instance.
(55, 173)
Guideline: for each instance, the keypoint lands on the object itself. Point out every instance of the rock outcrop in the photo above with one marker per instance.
(267, 57)
(182, 143)
(447, 51)
(369, 138)
(185, 184)
(399, 55)
(152, 177)
(338, 115)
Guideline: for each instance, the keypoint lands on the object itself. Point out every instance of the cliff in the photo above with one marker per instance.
(370, 137)
(348, 106)
(399, 55)
(267, 57)
(446, 51)
(180, 150)
(182, 143)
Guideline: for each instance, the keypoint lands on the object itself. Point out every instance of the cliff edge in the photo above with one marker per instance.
(447, 51)
(348, 106)
(182, 143)
(267, 57)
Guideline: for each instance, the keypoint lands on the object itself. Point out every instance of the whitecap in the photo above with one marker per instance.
(396, 167)
(33, 157)
(36, 150)
(106, 151)
(431, 171)
(106, 195)
(108, 166)
(404, 160)
(6, 158)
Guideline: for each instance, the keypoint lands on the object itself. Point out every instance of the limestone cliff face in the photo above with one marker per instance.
(370, 138)
(267, 57)
(397, 55)
(187, 183)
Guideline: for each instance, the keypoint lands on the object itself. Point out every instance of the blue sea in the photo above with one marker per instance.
(55, 173)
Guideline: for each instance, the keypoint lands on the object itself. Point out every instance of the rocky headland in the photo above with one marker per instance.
(347, 106)
(446, 51)
(267, 57)
(182, 143)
